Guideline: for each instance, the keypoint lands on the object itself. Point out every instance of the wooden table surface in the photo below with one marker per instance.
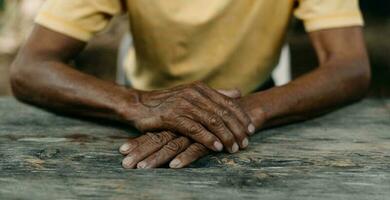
(343, 155)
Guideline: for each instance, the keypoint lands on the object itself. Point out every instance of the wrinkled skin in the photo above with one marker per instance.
(155, 149)
(192, 119)
(198, 112)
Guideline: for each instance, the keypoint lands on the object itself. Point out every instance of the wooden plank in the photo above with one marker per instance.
(343, 155)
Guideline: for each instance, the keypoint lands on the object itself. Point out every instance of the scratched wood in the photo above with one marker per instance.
(343, 155)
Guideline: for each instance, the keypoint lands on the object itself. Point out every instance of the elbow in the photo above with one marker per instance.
(353, 76)
(364, 78)
(15, 78)
(19, 78)
(360, 80)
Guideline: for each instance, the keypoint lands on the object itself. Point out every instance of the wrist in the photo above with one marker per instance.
(255, 110)
(128, 107)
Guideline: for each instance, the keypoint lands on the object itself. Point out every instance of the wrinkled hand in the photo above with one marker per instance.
(155, 149)
(198, 112)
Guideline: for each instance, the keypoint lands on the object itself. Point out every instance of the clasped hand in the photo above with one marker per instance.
(187, 122)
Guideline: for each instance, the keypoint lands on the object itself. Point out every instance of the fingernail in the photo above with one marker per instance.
(234, 148)
(176, 163)
(142, 165)
(124, 148)
(218, 146)
(127, 162)
(251, 128)
(245, 142)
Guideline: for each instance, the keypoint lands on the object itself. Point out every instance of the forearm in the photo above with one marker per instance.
(57, 86)
(310, 95)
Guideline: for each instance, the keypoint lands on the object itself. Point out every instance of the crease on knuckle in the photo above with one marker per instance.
(196, 149)
(182, 122)
(215, 121)
(170, 134)
(195, 129)
(160, 138)
(173, 146)
(224, 113)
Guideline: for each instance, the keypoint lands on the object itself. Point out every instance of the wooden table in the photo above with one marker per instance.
(343, 155)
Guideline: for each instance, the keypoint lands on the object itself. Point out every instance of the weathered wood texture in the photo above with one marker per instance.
(343, 155)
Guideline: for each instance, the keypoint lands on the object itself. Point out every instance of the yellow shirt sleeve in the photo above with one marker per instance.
(325, 14)
(80, 19)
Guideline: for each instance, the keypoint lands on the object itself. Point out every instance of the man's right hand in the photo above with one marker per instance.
(41, 75)
(198, 112)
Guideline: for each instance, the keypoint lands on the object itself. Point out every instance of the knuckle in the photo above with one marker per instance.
(181, 122)
(196, 149)
(215, 121)
(190, 128)
(156, 139)
(165, 136)
(195, 129)
(173, 146)
(234, 105)
(229, 118)
(169, 134)
(149, 135)
(224, 113)
(160, 138)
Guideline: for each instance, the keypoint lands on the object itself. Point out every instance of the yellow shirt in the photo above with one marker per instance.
(225, 43)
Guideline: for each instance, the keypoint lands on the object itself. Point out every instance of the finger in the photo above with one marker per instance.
(235, 93)
(230, 121)
(229, 104)
(192, 153)
(197, 132)
(132, 143)
(138, 141)
(215, 125)
(235, 127)
(165, 154)
(148, 145)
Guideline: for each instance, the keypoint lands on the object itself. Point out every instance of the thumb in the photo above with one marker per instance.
(234, 93)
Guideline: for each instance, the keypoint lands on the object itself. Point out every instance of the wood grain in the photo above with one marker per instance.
(343, 155)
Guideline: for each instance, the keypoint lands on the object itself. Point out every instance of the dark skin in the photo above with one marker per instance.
(343, 76)
(193, 110)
